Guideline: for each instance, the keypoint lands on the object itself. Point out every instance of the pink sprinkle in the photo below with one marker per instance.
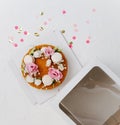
(64, 12)
(87, 41)
(70, 45)
(76, 30)
(93, 10)
(15, 44)
(75, 25)
(45, 23)
(74, 37)
(21, 40)
(49, 19)
(87, 21)
(25, 33)
(16, 27)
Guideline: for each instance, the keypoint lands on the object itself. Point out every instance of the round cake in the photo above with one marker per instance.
(44, 67)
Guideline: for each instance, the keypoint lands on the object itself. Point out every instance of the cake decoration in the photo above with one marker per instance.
(44, 67)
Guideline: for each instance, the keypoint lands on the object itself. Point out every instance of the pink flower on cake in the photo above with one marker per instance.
(48, 51)
(31, 68)
(55, 74)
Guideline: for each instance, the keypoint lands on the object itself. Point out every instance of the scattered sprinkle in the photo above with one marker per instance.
(74, 37)
(36, 34)
(10, 41)
(63, 31)
(41, 28)
(87, 41)
(21, 40)
(76, 30)
(75, 25)
(41, 13)
(49, 19)
(45, 23)
(87, 21)
(93, 10)
(26, 33)
(64, 12)
(15, 44)
(70, 44)
(16, 27)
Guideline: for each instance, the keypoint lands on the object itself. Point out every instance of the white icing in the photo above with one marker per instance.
(48, 62)
(43, 49)
(47, 80)
(37, 54)
(28, 59)
(56, 57)
(29, 79)
(37, 82)
(61, 67)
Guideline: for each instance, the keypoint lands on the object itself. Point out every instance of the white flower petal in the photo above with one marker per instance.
(47, 80)
(37, 82)
(29, 79)
(28, 59)
(56, 57)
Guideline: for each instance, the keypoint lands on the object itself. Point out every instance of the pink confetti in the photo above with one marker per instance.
(87, 21)
(75, 25)
(21, 40)
(45, 23)
(70, 45)
(15, 44)
(93, 10)
(16, 27)
(74, 37)
(64, 12)
(49, 19)
(25, 33)
(76, 30)
(87, 41)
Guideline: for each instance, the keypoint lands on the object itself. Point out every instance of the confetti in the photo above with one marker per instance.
(15, 44)
(63, 31)
(75, 25)
(21, 40)
(26, 33)
(87, 21)
(74, 37)
(16, 27)
(45, 23)
(41, 13)
(41, 28)
(70, 44)
(64, 12)
(36, 34)
(93, 10)
(76, 30)
(87, 41)
(49, 19)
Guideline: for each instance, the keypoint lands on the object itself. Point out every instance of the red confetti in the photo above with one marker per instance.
(16, 27)
(64, 12)
(21, 40)
(74, 37)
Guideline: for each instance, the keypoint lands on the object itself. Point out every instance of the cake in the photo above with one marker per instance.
(44, 67)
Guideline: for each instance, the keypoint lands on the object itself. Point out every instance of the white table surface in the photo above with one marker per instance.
(96, 21)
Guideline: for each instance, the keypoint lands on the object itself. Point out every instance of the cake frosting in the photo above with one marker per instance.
(44, 67)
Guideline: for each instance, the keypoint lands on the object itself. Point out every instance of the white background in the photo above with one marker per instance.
(102, 26)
